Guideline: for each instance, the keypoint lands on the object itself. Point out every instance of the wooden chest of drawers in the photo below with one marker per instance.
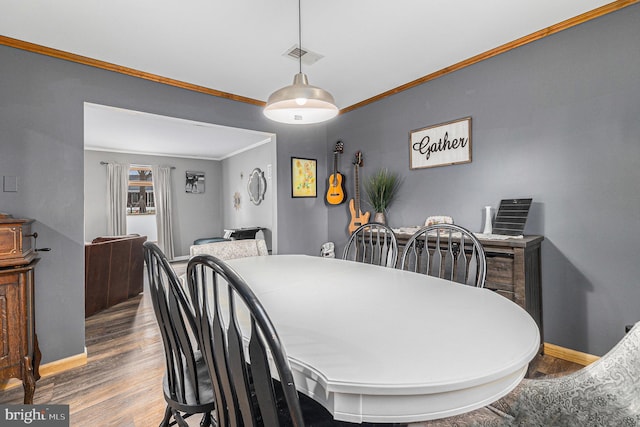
(513, 271)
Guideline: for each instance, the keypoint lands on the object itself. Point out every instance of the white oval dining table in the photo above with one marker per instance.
(376, 344)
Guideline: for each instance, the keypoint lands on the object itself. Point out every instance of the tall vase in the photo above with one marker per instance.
(487, 220)
(379, 217)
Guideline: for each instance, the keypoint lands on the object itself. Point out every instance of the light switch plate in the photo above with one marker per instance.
(10, 184)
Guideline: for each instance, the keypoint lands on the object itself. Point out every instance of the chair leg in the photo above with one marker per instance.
(179, 420)
(167, 417)
(206, 420)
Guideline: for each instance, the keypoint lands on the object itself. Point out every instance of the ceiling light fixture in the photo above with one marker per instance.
(300, 103)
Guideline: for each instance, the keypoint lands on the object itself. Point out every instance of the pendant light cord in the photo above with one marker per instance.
(299, 37)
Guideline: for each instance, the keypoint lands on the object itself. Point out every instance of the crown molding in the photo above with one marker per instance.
(60, 54)
(572, 22)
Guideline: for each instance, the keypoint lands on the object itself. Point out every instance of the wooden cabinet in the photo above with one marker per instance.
(19, 352)
(513, 271)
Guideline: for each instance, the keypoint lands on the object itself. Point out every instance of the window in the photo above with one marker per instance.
(140, 198)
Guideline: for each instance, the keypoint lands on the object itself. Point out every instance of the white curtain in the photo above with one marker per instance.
(117, 186)
(162, 194)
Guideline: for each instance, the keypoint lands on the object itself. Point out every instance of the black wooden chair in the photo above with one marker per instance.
(372, 243)
(447, 251)
(186, 384)
(228, 314)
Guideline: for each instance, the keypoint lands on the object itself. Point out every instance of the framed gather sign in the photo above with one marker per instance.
(439, 145)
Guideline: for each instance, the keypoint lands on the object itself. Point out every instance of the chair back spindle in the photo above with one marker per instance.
(186, 389)
(240, 347)
(447, 251)
(372, 243)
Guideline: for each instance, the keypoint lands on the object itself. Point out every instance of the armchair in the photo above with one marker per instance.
(226, 250)
(113, 271)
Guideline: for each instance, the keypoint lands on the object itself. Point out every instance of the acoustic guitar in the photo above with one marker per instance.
(357, 217)
(335, 191)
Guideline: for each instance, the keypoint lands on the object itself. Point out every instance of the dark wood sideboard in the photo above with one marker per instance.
(19, 352)
(513, 271)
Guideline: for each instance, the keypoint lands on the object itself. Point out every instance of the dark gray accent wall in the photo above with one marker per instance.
(41, 142)
(557, 120)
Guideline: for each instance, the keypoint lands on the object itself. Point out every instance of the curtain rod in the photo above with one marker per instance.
(102, 162)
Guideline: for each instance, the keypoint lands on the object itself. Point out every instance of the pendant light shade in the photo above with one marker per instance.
(300, 103)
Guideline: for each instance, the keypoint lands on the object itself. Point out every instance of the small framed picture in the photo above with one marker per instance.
(194, 182)
(304, 182)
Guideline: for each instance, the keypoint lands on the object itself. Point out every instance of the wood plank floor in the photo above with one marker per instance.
(121, 383)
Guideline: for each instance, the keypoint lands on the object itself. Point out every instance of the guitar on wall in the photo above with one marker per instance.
(335, 191)
(357, 217)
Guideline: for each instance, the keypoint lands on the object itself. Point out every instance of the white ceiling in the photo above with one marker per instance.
(237, 46)
(125, 131)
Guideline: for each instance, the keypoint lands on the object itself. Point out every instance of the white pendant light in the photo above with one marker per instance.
(300, 103)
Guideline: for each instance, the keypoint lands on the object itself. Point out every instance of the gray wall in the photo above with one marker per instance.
(194, 215)
(235, 172)
(302, 222)
(557, 120)
(41, 142)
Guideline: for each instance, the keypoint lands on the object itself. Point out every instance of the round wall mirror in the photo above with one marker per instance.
(257, 186)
